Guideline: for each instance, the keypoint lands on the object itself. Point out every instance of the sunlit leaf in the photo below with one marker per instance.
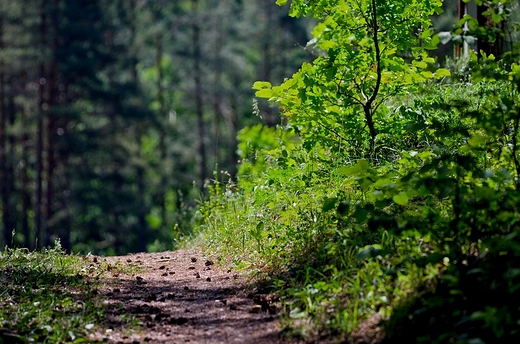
(264, 93)
(258, 85)
(360, 167)
(476, 140)
(442, 72)
(401, 199)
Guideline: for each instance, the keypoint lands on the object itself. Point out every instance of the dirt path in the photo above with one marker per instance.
(181, 297)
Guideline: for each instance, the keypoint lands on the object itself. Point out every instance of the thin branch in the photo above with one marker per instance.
(378, 54)
(333, 131)
(307, 50)
(362, 91)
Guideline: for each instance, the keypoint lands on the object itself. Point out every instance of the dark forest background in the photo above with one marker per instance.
(115, 113)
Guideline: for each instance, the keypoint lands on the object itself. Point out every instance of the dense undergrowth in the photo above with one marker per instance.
(392, 190)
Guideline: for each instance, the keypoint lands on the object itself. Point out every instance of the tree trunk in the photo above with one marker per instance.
(39, 225)
(26, 197)
(66, 222)
(369, 105)
(4, 188)
(197, 75)
(52, 122)
(217, 81)
(141, 202)
(163, 120)
(141, 205)
(10, 174)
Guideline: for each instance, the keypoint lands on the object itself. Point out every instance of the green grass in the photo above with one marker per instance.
(48, 297)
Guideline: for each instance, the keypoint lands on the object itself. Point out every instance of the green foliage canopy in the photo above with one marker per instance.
(366, 53)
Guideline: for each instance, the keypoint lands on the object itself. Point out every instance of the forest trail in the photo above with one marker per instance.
(182, 297)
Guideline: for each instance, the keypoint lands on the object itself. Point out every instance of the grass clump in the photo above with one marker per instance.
(47, 296)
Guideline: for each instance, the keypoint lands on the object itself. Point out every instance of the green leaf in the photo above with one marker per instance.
(442, 72)
(476, 140)
(401, 199)
(473, 24)
(360, 167)
(496, 17)
(420, 64)
(434, 42)
(264, 93)
(427, 33)
(427, 74)
(281, 2)
(382, 182)
(259, 85)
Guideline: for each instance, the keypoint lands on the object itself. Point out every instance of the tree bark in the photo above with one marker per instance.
(39, 225)
(26, 197)
(197, 75)
(4, 186)
(52, 121)
(141, 203)
(163, 120)
(10, 177)
(217, 81)
(368, 107)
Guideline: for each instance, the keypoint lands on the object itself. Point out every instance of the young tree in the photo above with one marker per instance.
(365, 48)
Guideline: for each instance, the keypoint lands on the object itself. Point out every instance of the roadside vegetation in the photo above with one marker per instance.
(386, 205)
(47, 296)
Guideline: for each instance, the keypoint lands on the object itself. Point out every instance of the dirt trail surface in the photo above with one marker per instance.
(181, 297)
